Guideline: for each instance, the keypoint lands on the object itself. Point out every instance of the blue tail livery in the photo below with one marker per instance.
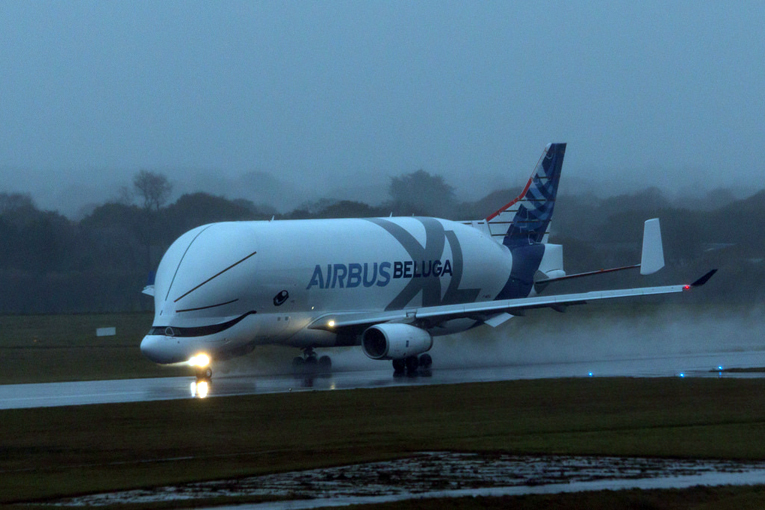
(526, 219)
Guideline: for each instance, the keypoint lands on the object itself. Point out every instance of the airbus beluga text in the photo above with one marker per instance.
(389, 285)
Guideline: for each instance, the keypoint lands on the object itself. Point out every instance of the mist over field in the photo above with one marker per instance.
(591, 333)
(254, 110)
(282, 103)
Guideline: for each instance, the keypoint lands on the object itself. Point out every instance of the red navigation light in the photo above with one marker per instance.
(686, 287)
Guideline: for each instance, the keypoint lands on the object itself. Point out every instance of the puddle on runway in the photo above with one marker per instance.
(438, 474)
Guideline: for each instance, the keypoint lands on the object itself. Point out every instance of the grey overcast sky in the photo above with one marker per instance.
(337, 94)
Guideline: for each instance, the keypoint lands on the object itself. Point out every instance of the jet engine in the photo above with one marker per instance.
(395, 341)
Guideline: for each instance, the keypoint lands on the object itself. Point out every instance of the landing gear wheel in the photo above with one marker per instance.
(204, 374)
(399, 365)
(310, 364)
(426, 361)
(412, 364)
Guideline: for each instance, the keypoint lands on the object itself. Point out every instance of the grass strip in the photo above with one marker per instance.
(64, 451)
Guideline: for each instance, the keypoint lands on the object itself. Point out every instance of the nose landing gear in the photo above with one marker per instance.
(203, 373)
(201, 364)
(200, 388)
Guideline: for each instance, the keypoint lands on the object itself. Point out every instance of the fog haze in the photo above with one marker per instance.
(303, 100)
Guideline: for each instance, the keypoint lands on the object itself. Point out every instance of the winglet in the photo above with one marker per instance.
(704, 279)
(652, 258)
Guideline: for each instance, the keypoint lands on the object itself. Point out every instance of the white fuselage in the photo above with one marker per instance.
(224, 288)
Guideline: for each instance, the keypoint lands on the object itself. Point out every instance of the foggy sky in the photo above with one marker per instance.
(325, 95)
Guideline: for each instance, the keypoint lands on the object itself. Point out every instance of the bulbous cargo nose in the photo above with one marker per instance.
(204, 267)
(158, 349)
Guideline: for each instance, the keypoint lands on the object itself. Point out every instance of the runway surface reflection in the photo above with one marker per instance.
(141, 390)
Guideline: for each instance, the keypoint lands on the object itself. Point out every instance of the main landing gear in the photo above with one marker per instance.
(309, 363)
(411, 364)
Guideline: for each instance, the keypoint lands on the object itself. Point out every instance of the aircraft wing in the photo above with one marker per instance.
(486, 310)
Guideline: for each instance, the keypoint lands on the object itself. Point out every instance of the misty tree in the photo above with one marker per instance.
(125, 196)
(425, 191)
(195, 209)
(153, 188)
(11, 202)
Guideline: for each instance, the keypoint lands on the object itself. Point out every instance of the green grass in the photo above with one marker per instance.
(64, 451)
(47, 331)
(49, 348)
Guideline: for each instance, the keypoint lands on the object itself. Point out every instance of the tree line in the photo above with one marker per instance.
(51, 264)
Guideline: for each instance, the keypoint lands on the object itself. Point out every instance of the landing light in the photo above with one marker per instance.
(200, 360)
(331, 324)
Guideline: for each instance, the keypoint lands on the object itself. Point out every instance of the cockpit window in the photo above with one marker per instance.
(167, 331)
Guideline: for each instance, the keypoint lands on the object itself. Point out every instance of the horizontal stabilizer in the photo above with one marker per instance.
(704, 279)
(541, 284)
(653, 251)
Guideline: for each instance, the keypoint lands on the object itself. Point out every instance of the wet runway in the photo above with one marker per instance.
(142, 390)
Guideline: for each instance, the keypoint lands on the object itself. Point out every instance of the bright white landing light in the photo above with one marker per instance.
(331, 324)
(200, 360)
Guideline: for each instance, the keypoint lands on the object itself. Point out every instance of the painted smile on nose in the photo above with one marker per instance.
(175, 331)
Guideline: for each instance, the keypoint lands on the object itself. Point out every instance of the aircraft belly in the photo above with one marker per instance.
(453, 326)
(317, 338)
(277, 328)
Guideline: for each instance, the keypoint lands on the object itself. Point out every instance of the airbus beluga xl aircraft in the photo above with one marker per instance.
(389, 285)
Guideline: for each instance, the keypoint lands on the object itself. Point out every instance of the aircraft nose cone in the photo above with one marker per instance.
(146, 348)
(153, 347)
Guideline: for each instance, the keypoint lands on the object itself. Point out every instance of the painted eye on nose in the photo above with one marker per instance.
(281, 298)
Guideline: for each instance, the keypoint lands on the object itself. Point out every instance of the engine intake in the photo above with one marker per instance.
(395, 341)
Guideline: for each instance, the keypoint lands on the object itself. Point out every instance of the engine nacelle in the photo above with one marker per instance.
(395, 341)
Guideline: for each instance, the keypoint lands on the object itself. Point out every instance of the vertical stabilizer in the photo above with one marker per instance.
(526, 220)
(652, 258)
